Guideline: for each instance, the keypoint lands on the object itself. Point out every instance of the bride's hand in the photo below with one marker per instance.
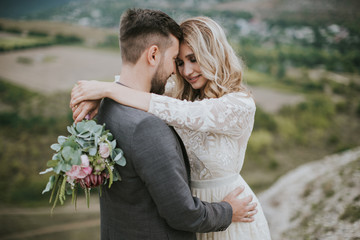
(89, 90)
(90, 107)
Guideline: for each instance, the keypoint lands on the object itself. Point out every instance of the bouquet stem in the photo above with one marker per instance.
(87, 196)
(60, 178)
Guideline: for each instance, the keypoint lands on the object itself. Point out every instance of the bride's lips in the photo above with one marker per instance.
(193, 79)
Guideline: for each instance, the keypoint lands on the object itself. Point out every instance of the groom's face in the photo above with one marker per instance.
(166, 67)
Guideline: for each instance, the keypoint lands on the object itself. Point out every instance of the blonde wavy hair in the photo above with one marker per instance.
(216, 58)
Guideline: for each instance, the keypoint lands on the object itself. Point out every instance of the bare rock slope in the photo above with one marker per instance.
(319, 200)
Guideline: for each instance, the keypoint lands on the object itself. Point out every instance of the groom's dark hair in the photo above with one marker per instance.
(141, 28)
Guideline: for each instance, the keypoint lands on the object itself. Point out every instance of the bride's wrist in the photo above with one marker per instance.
(109, 90)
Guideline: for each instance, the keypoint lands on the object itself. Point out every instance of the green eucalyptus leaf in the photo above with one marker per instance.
(92, 151)
(109, 136)
(46, 171)
(85, 135)
(52, 163)
(55, 156)
(81, 142)
(49, 185)
(67, 153)
(96, 140)
(56, 147)
(88, 125)
(57, 168)
(61, 139)
(97, 129)
(80, 127)
(65, 167)
(117, 154)
(76, 157)
(88, 144)
(121, 161)
(71, 155)
(71, 142)
(71, 130)
(116, 176)
(113, 144)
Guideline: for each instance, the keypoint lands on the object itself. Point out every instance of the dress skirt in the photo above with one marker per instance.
(214, 190)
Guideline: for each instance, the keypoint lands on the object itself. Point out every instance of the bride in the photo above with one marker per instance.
(210, 109)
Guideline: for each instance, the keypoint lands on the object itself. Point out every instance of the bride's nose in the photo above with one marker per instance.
(188, 70)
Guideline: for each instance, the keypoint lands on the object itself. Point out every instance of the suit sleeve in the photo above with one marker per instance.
(159, 163)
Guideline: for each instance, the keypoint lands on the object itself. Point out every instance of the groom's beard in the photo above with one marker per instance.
(158, 81)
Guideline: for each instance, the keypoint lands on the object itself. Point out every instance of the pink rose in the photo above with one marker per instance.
(80, 172)
(87, 170)
(104, 150)
(74, 172)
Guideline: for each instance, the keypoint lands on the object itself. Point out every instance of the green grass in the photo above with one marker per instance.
(18, 42)
(28, 126)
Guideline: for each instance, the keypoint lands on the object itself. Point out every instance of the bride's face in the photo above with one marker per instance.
(189, 68)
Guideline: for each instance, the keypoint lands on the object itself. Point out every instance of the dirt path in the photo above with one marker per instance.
(272, 100)
(58, 68)
(68, 209)
(55, 229)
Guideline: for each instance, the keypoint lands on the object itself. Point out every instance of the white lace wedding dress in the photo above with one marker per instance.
(215, 133)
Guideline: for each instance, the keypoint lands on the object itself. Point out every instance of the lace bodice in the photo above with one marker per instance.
(215, 131)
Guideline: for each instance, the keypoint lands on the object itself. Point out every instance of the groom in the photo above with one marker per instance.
(153, 200)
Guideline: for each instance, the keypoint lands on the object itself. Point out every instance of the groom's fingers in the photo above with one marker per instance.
(251, 206)
(93, 114)
(76, 112)
(81, 112)
(251, 213)
(237, 191)
(249, 217)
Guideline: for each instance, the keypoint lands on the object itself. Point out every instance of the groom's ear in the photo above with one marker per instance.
(153, 55)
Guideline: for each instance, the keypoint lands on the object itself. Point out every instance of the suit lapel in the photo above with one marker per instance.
(186, 158)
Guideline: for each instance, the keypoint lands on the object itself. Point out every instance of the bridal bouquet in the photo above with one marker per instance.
(85, 159)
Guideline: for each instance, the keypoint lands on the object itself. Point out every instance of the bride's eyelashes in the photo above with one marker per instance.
(179, 62)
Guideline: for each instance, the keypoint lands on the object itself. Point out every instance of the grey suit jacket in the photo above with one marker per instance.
(153, 200)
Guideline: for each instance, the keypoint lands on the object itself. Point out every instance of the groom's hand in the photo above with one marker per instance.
(243, 209)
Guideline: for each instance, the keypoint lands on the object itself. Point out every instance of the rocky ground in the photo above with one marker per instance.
(319, 200)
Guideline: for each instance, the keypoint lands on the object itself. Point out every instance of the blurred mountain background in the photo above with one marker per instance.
(303, 67)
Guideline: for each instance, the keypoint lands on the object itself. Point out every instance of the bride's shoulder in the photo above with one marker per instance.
(243, 97)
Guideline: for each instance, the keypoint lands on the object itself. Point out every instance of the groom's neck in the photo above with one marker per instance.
(135, 77)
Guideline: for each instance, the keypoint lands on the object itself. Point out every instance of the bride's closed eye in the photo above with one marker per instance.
(179, 62)
(192, 59)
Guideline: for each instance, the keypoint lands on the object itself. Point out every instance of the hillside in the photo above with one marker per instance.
(305, 9)
(318, 200)
(106, 13)
(20, 8)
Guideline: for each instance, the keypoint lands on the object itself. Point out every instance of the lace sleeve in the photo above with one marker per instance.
(231, 114)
